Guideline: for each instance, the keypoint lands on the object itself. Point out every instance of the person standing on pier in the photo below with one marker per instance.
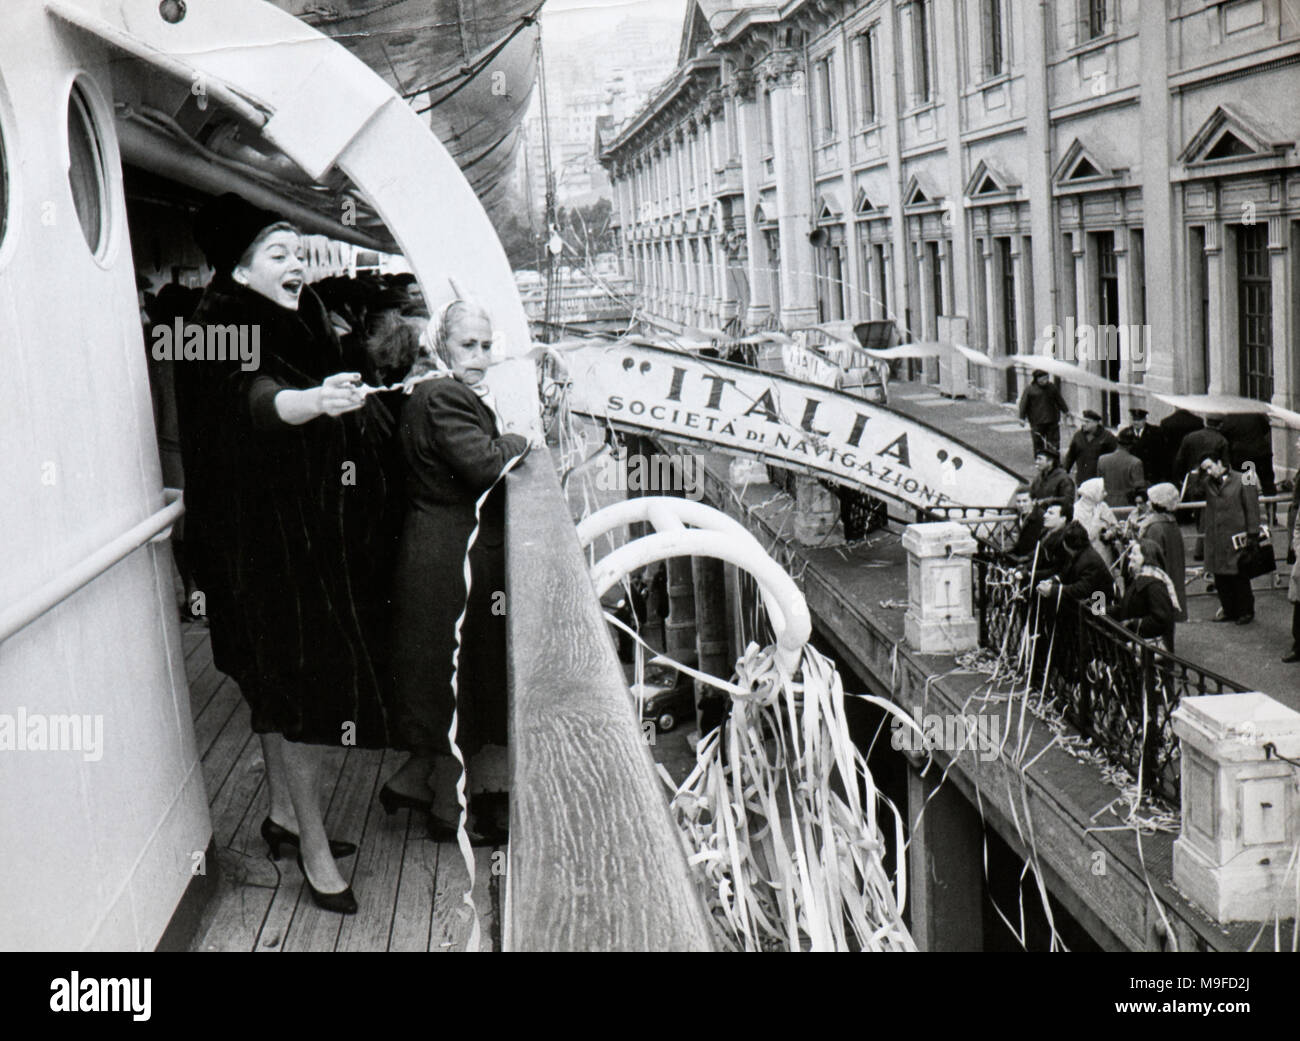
(1148, 445)
(1041, 407)
(1087, 446)
(1051, 485)
(1122, 471)
(1231, 524)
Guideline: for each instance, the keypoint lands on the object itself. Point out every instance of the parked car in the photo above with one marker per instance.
(669, 697)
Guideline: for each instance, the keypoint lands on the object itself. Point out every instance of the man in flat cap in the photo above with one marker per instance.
(1041, 406)
(1087, 446)
(1051, 485)
(1149, 446)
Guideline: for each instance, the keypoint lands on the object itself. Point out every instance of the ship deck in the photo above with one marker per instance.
(410, 888)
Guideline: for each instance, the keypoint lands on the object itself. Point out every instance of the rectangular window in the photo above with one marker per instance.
(1096, 18)
(1255, 312)
(1010, 331)
(994, 51)
(921, 79)
(1108, 314)
(882, 280)
(825, 100)
(867, 77)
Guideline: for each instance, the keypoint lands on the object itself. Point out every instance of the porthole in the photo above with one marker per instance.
(86, 176)
(4, 188)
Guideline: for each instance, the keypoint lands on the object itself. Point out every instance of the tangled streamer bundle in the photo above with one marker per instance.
(780, 814)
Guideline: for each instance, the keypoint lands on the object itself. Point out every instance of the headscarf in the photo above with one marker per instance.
(1090, 507)
(1153, 559)
(440, 330)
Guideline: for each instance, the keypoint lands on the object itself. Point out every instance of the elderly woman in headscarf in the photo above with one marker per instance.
(448, 643)
(1091, 511)
(285, 490)
(1150, 604)
(1161, 527)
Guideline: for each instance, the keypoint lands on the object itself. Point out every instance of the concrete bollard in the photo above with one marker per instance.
(940, 615)
(1240, 811)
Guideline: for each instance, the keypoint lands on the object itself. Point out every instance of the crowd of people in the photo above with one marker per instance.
(1072, 542)
(328, 523)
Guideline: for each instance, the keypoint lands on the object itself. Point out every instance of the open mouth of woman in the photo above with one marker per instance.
(292, 286)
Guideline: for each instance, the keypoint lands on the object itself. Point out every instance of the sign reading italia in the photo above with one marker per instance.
(737, 409)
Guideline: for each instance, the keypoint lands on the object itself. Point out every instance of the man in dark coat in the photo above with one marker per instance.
(1041, 406)
(1149, 446)
(1250, 441)
(1231, 523)
(1122, 471)
(1087, 446)
(1084, 573)
(1207, 441)
(1051, 485)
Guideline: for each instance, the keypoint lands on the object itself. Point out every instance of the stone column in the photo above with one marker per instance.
(792, 149)
(1240, 811)
(1122, 344)
(711, 635)
(994, 314)
(817, 510)
(940, 616)
(1023, 267)
(945, 859)
(1222, 377)
(1284, 320)
(1084, 312)
(748, 118)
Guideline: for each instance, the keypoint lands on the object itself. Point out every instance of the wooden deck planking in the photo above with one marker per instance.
(376, 876)
(223, 753)
(313, 929)
(413, 903)
(264, 905)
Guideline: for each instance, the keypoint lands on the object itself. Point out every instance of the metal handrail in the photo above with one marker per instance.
(45, 598)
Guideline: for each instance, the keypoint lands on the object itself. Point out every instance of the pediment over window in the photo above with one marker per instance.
(1229, 134)
(828, 208)
(862, 204)
(921, 191)
(1080, 164)
(988, 180)
(761, 216)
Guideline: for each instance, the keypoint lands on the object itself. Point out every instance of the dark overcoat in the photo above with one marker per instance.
(287, 525)
(1231, 508)
(1163, 530)
(452, 454)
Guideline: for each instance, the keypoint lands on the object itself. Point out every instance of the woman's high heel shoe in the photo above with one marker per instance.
(343, 902)
(276, 836)
(392, 801)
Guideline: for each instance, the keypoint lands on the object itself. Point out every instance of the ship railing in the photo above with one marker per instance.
(595, 860)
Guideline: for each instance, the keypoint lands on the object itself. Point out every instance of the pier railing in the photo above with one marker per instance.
(595, 861)
(1116, 688)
